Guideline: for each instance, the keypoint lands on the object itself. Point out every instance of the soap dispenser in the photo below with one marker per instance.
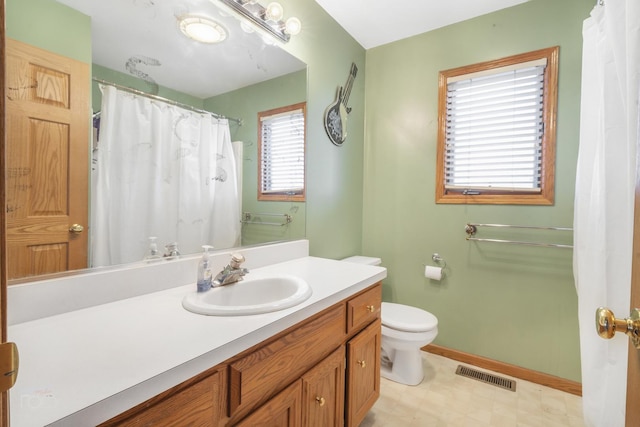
(204, 270)
(152, 253)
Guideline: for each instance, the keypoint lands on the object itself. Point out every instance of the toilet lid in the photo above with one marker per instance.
(406, 318)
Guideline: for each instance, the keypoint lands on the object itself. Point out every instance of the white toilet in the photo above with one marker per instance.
(405, 330)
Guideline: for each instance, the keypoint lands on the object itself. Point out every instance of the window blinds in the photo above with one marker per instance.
(495, 129)
(282, 168)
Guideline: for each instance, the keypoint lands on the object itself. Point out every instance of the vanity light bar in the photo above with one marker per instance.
(256, 14)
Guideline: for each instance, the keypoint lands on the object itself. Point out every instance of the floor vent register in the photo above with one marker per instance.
(495, 380)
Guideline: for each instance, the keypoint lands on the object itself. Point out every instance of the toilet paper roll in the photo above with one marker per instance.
(433, 273)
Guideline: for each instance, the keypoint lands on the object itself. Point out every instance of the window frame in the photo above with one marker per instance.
(550, 95)
(282, 195)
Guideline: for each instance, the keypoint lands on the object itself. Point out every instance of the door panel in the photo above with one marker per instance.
(283, 410)
(363, 373)
(323, 392)
(633, 363)
(47, 161)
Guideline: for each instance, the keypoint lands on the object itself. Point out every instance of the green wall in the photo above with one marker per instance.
(515, 304)
(246, 103)
(56, 28)
(334, 174)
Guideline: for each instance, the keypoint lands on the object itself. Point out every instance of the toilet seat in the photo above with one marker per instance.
(406, 318)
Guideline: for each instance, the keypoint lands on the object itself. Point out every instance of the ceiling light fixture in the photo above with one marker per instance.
(202, 29)
(269, 19)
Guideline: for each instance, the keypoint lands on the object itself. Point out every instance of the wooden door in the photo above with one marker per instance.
(46, 160)
(4, 395)
(633, 369)
(283, 410)
(363, 373)
(323, 392)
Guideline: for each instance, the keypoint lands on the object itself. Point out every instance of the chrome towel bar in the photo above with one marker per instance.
(471, 230)
(254, 218)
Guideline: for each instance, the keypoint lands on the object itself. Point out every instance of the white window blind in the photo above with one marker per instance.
(282, 139)
(495, 130)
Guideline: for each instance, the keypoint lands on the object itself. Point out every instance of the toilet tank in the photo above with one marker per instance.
(358, 259)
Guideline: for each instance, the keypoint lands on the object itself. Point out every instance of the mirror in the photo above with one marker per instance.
(237, 78)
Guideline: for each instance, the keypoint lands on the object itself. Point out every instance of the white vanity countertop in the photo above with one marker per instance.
(86, 366)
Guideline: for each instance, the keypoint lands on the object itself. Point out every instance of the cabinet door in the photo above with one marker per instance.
(363, 373)
(323, 392)
(283, 410)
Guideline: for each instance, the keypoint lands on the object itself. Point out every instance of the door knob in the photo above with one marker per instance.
(607, 325)
(76, 228)
(320, 400)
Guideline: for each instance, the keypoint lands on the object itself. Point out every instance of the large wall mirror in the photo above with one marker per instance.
(135, 44)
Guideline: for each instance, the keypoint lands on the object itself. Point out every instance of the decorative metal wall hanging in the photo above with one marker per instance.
(335, 116)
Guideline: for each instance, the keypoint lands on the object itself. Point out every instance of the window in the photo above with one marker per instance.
(281, 135)
(496, 131)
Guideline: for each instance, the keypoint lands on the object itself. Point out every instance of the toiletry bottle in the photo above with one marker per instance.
(204, 270)
(152, 253)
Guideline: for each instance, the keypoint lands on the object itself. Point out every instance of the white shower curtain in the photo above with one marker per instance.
(161, 171)
(603, 217)
(238, 152)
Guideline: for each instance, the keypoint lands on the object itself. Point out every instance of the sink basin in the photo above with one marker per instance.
(253, 295)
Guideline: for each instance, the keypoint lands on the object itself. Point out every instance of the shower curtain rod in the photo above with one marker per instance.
(168, 101)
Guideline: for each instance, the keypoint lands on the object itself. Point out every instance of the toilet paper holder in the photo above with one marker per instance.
(439, 260)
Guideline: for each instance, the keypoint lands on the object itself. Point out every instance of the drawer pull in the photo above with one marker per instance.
(320, 401)
(362, 363)
(371, 308)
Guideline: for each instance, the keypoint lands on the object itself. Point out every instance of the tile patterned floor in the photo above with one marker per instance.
(445, 399)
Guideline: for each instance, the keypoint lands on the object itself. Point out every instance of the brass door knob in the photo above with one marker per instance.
(320, 401)
(371, 308)
(76, 228)
(607, 325)
(362, 363)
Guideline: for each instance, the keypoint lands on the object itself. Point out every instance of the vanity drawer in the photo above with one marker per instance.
(364, 308)
(256, 377)
(196, 402)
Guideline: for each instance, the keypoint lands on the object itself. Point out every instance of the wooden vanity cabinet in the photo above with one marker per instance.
(363, 373)
(324, 371)
(256, 376)
(363, 354)
(200, 401)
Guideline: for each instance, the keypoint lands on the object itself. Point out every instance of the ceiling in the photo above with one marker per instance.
(376, 22)
(142, 38)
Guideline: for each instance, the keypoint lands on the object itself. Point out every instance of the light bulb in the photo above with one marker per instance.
(293, 26)
(274, 12)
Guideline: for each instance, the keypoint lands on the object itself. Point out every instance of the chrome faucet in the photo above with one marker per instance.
(171, 251)
(232, 273)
